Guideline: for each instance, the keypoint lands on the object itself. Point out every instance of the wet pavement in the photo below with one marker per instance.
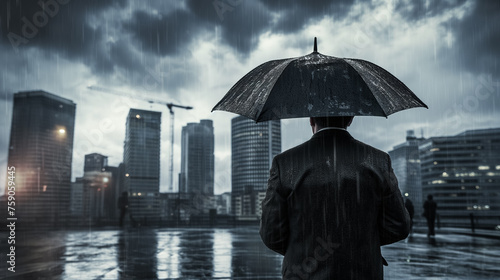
(235, 253)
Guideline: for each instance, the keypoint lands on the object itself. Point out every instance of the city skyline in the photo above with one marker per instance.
(192, 52)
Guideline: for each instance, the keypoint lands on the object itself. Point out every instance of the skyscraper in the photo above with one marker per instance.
(142, 164)
(253, 147)
(197, 158)
(99, 193)
(41, 149)
(95, 162)
(462, 172)
(406, 164)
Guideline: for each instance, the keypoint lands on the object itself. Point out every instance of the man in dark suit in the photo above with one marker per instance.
(331, 203)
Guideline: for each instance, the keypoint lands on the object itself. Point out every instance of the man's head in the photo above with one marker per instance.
(429, 197)
(318, 123)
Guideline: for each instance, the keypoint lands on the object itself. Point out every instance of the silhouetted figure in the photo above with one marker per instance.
(123, 206)
(430, 214)
(472, 225)
(411, 211)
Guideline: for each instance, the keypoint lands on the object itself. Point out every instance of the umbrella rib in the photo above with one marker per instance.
(368, 85)
(283, 66)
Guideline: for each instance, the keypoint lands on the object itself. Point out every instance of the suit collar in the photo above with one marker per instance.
(331, 131)
(326, 128)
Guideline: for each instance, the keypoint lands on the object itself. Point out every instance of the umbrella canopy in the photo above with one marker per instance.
(317, 85)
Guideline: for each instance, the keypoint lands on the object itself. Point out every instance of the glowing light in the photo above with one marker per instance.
(478, 187)
(139, 194)
(105, 179)
(44, 188)
(434, 149)
(61, 131)
(483, 167)
(435, 162)
(438, 182)
(126, 175)
(445, 174)
(138, 116)
(406, 194)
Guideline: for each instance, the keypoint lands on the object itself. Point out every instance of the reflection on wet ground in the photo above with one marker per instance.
(222, 254)
(444, 257)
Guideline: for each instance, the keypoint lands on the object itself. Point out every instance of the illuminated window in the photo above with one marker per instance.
(477, 187)
(438, 182)
(435, 162)
(445, 174)
(434, 149)
(139, 194)
(483, 167)
(406, 194)
(138, 116)
(126, 175)
(44, 187)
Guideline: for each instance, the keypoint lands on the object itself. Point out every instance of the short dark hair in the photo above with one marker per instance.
(342, 122)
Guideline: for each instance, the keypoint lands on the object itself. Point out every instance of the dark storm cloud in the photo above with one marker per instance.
(294, 15)
(478, 38)
(240, 22)
(417, 10)
(163, 34)
(169, 32)
(476, 35)
(58, 26)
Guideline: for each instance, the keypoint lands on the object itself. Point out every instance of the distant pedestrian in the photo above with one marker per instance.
(411, 210)
(430, 214)
(123, 206)
(472, 225)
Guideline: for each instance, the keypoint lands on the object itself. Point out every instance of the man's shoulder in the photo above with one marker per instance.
(306, 147)
(371, 148)
(293, 151)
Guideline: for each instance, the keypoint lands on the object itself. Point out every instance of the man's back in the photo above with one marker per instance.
(323, 208)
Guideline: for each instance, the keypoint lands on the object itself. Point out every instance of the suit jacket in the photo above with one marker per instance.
(331, 203)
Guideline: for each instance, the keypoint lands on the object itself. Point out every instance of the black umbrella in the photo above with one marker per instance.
(317, 85)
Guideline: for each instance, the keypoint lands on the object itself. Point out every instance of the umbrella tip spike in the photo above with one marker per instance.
(315, 45)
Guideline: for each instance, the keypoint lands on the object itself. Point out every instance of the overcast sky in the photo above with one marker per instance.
(191, 52)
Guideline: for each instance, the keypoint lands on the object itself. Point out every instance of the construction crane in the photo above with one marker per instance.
(170, 107)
